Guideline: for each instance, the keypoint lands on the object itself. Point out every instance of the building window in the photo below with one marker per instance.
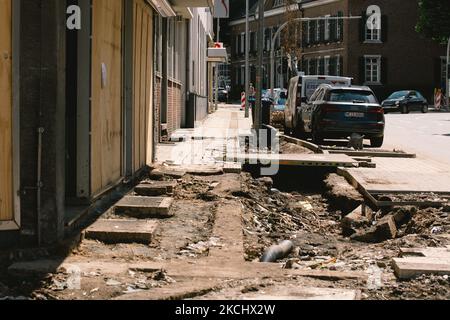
(327, 65)
(279, 3)
(373, 35)
(318, 29)
(372, 69)
(237, 44)
(327, 28)
(340, 26)
(312, 66)
(242, 42)
(242, 75)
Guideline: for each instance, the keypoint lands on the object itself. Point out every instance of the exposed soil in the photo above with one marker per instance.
(292, 148)
(296, 206)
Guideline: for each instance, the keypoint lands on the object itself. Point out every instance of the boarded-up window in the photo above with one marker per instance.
(6, 194)
(106, 106)
(142, 93)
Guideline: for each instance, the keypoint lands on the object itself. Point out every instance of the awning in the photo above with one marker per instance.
(217, 54)
(163, 7)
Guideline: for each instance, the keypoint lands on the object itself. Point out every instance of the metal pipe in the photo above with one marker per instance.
(39, 184)
(247, 57)
(276, 252)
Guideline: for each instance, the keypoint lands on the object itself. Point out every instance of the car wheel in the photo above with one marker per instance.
(425, 108)
(377, 142)
(405, 109)
(317, 138)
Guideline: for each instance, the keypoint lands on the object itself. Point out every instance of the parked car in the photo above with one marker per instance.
(301, 88)
(223, 94)
(337, 112)
(405, 101)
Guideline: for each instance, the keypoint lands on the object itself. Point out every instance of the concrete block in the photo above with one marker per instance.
(157, 174)
(144, 207)
(385, 229)
(232, 167)
(122, 231)
(354, 220)
(155, 188)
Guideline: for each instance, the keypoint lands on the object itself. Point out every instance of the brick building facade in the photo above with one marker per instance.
(389, 58)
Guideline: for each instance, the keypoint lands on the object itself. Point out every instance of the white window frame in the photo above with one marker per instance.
(308, 34)
(317, 35)
(327, 28)
(372, 80)
(279, 3)
(326, 65)
(338, 28)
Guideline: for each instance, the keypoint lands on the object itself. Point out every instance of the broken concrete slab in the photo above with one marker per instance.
(155, 188)
(403, 215)
(353, 221)
(385, 229)
(160, 173)
(304, 293)
(410, 267)
(232, 167)
(122, 231)
(144, 207)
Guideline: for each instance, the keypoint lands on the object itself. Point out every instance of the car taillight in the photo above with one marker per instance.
(378, 110)
(329, 108)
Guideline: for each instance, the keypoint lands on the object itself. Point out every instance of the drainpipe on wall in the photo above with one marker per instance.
(39, 184)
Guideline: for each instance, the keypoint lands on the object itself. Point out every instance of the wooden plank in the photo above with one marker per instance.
(298, 159)
(137, 84)
(143, 82)
(148, 147)
(407, 268)
(6, 193)
(106, 111)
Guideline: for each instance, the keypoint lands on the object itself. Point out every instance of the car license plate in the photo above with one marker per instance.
(354, 114)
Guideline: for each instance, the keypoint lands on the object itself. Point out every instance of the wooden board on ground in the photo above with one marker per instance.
(144, 207)
(304, 293)
(122, 231)
(155, 188)
(415, 262)
(321, 160)
(6, 190)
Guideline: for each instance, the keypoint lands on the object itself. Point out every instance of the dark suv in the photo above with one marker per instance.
(338, 112)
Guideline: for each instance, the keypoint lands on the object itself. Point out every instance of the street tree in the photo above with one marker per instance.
(434, 19)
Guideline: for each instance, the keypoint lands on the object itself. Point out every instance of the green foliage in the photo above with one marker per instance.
(434, 19)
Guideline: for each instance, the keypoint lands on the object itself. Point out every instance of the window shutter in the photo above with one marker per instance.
(362, 27)
(384, 28)
(384, 70)
(312, 27)
(304, 34)
(362, 70)
(321, 62)
(333, 28)
(341, 63)
(333, 65)
(322, 31)
(341, 24)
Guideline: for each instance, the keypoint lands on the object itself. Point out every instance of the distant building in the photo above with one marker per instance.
(388, 58)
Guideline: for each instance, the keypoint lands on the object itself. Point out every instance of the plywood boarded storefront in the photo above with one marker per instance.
(143, 84)
(106, 105)
(6, 173)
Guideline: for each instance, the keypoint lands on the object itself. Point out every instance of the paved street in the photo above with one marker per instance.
(428, 135)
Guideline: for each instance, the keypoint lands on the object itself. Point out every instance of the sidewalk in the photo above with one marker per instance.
(215, 138)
